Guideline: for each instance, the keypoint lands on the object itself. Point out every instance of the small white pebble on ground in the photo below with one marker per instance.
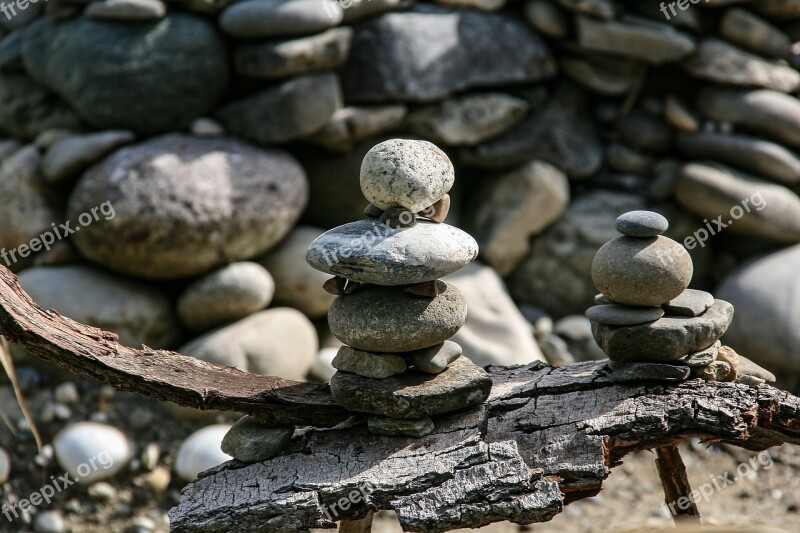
(201, 451)
(49, 522)
(102, 491)
(91, 452)
(67, 393)
(150, 456)
(62, 412)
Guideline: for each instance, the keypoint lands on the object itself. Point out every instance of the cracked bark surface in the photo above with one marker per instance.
(546, 436)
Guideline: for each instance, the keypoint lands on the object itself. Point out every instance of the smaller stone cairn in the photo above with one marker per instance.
(646, 319)
(392, 311)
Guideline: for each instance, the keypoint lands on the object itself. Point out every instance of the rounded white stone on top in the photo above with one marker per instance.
(406, 173)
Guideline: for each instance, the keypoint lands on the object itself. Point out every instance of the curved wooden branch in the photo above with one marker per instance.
(546, 437)
(158, 374)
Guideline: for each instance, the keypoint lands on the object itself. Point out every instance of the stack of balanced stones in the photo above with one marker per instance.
(392, 311)
(646, 319)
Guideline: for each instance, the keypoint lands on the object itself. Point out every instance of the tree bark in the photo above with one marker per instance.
(546, 436)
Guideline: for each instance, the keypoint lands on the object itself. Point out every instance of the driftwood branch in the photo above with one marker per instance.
(546, 437)
(158, 374)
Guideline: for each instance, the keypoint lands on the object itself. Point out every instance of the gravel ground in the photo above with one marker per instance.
(137, 502)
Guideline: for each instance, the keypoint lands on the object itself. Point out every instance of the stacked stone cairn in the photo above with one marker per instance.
(392, 311)
(648, 322)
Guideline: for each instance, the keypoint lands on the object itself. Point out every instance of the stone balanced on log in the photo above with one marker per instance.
(648, 322)
(392, 311)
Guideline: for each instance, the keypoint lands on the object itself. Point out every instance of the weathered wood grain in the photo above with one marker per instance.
(546, 437)
(158, 374)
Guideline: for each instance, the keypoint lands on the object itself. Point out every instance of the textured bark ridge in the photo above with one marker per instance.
(546, 436)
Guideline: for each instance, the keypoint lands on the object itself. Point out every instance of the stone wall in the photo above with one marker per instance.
(231, 133)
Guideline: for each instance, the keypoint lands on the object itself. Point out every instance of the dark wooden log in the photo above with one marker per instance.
(545, 438)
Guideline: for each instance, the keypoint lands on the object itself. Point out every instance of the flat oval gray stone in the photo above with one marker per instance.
(414, 394)
(710, 191)
(723, 63)
(277, 59)
(749, 368)
(284, 111)
(436, 359)
(368, 364)
(261, 19)
(388, 319)
(641, 224)
(70, 156)
(649, 42)
(251, 442)
(753, 154)
(690, 303)
(774, 114)
(741, 27)
(623, 315)
(666, 339)
(370, 252)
